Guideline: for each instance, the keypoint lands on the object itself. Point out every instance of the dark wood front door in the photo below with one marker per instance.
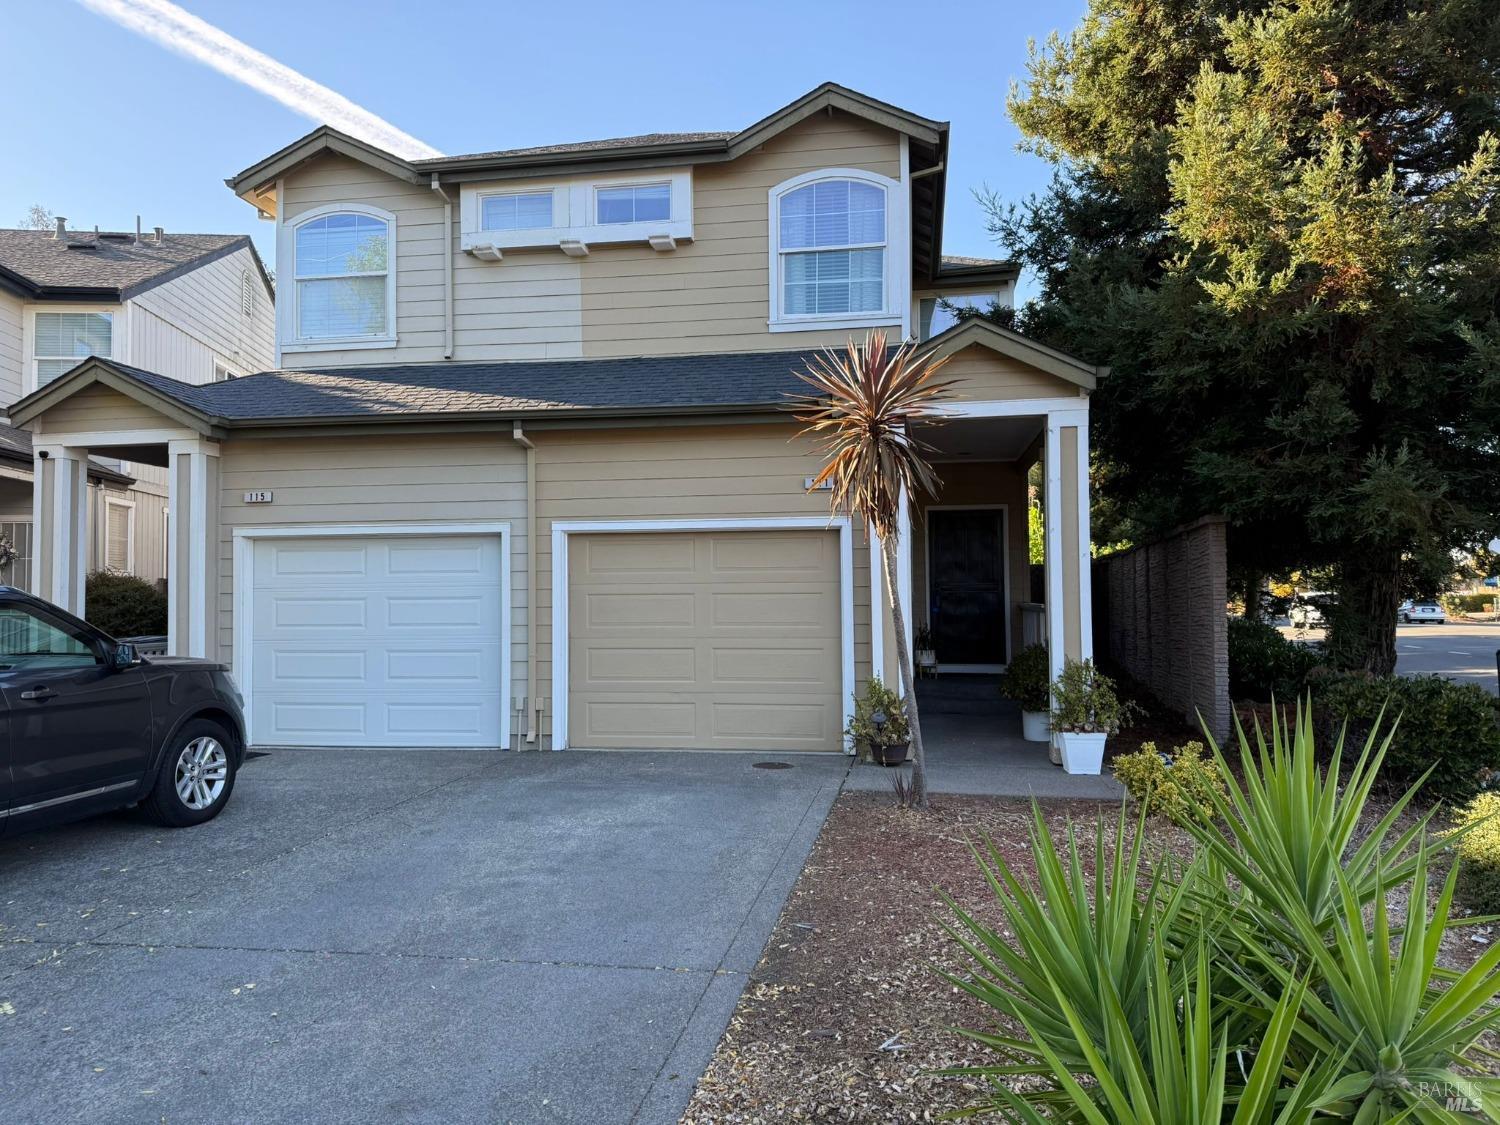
(966, 585)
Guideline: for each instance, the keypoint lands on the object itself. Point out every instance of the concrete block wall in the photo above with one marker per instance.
(1160, 615)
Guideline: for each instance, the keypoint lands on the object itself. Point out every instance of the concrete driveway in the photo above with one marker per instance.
(401, 936)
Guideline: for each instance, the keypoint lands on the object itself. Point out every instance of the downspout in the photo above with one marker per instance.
(533, 707)
(447, 268)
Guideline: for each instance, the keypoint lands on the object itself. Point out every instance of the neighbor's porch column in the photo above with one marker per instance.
(59, 522)
(192, 547)
(1065, 507)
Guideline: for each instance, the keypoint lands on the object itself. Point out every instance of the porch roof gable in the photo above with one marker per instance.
(987, 334)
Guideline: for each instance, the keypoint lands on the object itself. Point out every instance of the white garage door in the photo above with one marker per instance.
(377, 642)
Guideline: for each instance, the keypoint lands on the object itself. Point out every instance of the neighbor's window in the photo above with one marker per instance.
(65, 339)
(530, 210)
(637, 203)
(831, 244)
(119, 537)
(343, 277)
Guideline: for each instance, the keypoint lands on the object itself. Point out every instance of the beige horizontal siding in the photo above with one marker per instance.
(633, 299)
(366, 480)
(982, 374)
(709, 472)
(100, 408)
(12, 359)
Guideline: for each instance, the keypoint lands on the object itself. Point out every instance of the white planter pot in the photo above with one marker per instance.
(1082, 753)
(1036, 726)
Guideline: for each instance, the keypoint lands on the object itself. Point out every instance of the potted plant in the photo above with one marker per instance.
(878, 725)
(1025, 681)
(1085, 712)
(926, 654)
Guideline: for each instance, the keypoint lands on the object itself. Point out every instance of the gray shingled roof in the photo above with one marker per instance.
(112, 265)
(664, 383)
(15, 445)
(585, 146)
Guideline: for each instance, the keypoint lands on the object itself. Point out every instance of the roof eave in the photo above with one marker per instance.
(253, 180)
(976, 330)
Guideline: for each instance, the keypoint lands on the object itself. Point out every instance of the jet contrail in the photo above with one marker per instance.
(188, 35)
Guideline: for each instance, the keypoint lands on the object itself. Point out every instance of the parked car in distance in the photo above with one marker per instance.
(1310, 610)
(1425, 610)
(93, 725)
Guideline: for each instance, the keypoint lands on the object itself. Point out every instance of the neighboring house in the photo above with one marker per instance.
(525, 475)
(196, 307)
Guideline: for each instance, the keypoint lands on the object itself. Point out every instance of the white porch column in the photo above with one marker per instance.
(59, 512)
(192, 555)
(1070, 629)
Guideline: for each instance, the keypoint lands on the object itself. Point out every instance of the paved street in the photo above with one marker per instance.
(1459, 650)
(372, 936)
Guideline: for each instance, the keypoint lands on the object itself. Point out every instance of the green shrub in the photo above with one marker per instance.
(1263, 664)
(1176, 785)
(1025, 678)
(1469, 603)
(1451, 728)
(878, 699)
(1085, 701)
(1479, 853)
(124, 606)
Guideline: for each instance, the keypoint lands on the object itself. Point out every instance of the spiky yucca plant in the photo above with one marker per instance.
(862, 402)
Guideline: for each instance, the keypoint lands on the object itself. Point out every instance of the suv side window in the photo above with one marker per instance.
(36, 642)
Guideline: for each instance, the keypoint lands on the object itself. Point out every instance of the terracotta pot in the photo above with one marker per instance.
(888, 755)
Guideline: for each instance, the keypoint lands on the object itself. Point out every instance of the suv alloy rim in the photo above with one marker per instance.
(202, 770)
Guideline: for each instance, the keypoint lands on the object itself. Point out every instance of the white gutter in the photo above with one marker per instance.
(447, 268)
(533, 705)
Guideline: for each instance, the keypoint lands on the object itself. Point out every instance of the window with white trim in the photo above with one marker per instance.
(633, 203)
(516, 210)
(60, 341)
(222, 372)
(343, 277)
(119, 536)
(838, 249)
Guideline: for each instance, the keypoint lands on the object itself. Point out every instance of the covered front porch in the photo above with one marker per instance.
(974, 748)
(994, 560)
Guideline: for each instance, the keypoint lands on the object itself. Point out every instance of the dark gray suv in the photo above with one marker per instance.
(90, 725)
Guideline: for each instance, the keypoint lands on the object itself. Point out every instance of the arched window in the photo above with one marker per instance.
(343, 276)
(832, 248)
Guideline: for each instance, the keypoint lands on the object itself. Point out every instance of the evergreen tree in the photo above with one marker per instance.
(1279, 223)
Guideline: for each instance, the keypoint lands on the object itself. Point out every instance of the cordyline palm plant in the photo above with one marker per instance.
(864, 399)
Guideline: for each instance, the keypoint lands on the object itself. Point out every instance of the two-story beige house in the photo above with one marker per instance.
(195, 307)
(523, 475)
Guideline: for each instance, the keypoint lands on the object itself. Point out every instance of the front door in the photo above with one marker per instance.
(966, 586)
(78, 729)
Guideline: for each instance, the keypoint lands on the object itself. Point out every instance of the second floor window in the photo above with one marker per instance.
(343, 277)
(529, 210)
(634, 203)
(63, 340)
(831, 240)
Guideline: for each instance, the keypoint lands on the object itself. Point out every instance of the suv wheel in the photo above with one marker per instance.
(196, 776)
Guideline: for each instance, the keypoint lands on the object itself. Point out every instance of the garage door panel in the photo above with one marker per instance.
(736, 651)
(391, 641)
(634, 609)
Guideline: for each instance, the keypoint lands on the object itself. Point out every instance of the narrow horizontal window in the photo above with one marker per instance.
(637, 203)
(522, 211)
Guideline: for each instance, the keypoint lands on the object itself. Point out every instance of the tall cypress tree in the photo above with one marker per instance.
(1279, 223)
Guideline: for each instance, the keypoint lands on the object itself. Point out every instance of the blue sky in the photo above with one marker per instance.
(121, 126)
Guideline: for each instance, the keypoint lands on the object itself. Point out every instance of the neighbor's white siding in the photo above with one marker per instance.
(179, 328)
(12, 356)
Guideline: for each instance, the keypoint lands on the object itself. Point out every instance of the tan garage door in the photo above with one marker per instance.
(705, 640)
